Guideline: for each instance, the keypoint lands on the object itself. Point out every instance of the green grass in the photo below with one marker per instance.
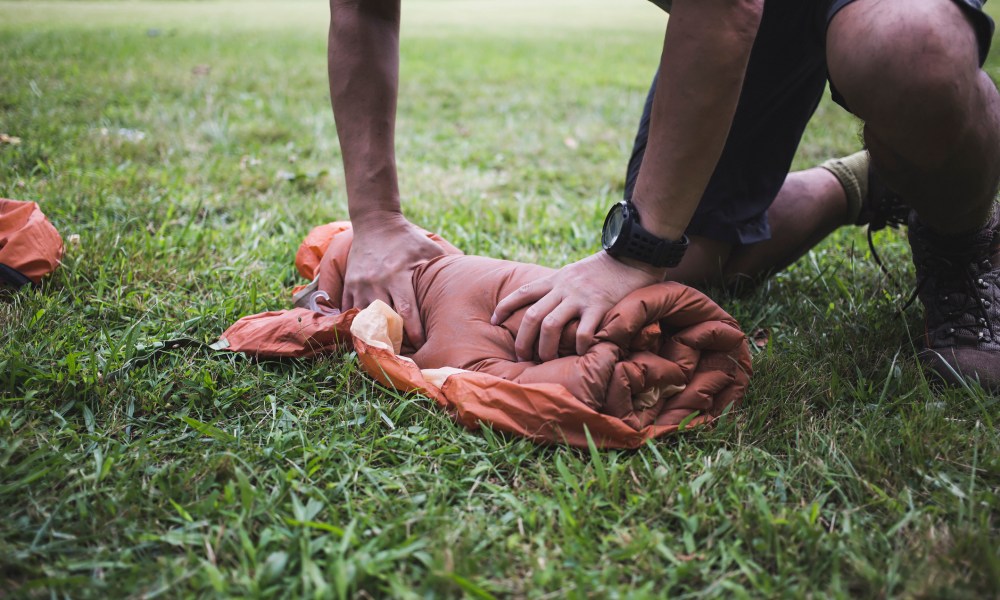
(843, 474)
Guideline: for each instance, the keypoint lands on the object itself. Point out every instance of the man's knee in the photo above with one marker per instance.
(904, 59)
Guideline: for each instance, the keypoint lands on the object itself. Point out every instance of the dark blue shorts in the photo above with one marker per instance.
(784, 83)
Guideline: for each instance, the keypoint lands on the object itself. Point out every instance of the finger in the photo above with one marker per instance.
(589, 322)
(360, 298)
(347, 301)
(552, 328)
(324, 284)
(525, 295)
(527, 333)
(405, 303)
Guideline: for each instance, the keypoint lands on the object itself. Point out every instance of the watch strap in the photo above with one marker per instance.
(646, 247)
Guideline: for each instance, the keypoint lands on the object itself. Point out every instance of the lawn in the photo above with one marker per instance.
(184, 149)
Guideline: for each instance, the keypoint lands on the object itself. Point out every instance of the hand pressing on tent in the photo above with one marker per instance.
(385, 250)
(585, 290)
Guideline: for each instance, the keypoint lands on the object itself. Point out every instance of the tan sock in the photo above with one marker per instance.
(852, 173)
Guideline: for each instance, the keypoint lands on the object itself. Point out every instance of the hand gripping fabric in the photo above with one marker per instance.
(665, 355)
(30, 247)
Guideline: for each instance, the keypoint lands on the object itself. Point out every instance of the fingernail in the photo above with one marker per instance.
(493, 320)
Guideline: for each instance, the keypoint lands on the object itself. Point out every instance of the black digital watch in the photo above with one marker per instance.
(624, 237)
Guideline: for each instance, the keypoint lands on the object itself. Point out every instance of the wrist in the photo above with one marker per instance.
(376, 218)
(657, 273)
(656, 224)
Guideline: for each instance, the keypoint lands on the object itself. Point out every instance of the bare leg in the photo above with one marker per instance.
(810, 206)
(909, 69)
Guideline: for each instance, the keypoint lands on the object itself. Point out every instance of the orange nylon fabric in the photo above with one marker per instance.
(28, 241)
(665, 355)
(295, 332)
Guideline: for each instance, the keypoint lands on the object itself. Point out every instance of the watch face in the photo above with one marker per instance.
(612, 226)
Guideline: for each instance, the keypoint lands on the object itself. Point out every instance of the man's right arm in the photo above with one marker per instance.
(363, 64)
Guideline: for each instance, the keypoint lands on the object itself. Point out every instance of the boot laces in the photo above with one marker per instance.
(963, 291)
(961, 276)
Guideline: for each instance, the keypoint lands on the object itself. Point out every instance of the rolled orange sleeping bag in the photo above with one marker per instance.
(665, 355)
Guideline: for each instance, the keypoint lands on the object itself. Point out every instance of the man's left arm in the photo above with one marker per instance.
(705, 54)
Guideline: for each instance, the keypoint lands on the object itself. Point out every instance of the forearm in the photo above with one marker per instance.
(363, 65)
(705, 55)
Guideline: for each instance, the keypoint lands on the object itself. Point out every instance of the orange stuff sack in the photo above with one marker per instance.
(30, 247)
(666, 355)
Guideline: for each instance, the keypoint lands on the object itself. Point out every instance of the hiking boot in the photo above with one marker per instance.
(959, 286)
(869, 201)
